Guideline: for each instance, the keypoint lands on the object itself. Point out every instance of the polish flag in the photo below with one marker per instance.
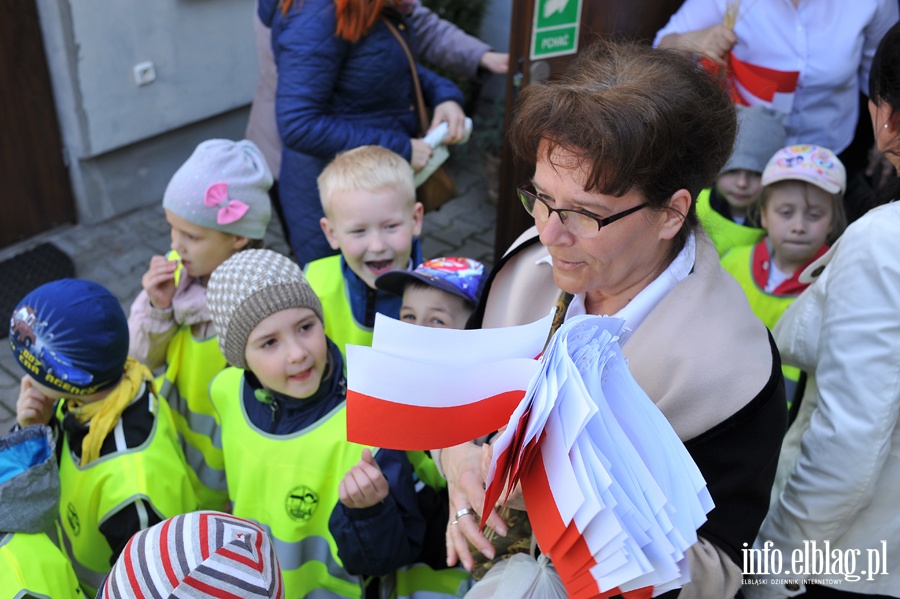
(420, 388)
(755, 85)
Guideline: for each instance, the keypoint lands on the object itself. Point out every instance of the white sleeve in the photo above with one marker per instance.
(691, 16)
(857, 373)
(885, 16)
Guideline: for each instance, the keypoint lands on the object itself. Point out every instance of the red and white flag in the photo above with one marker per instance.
(424, 388)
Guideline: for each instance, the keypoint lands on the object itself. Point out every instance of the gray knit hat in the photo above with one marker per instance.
(224, 185)
(249, 287)
(760, 134)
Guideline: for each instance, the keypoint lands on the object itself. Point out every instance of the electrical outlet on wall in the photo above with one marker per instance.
(144, 73)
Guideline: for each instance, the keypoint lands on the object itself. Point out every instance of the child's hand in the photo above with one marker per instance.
(32, 407)
(421, 152)
(365, 485)
(159, 282)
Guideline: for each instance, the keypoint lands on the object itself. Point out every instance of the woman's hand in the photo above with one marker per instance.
(495, 62)
(515, 500)
(465, 484)
(364, 485)
(421, 152)
(32, 407)
(159, 282)
(453, 113)
(715, 42)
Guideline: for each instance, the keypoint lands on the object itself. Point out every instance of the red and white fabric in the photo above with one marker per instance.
(809, 62)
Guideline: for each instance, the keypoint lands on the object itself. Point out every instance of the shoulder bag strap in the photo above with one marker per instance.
(420, 100)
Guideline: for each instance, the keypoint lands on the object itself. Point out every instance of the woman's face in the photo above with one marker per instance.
(625, 256)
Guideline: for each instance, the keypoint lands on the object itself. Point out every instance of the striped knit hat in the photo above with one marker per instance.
(196, 555)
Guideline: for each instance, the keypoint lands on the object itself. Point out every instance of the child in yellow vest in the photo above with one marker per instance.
(801, 209)
(439, 293)
(725, 210)
(30, 564)
(372, 217)
(282, 416)
(121, 467)
(217, 204)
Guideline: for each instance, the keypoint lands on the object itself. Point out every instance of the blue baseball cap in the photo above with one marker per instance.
(453, 274)
(70, 335)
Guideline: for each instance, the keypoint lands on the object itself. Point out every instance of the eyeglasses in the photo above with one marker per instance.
(579, 223)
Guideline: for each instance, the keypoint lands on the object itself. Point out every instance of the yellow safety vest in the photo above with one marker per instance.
(155, 472)
(327, 280)
(768, 307)
(420, 581)
(289, 485)
(32, 566)
(190, 368)
(724, 232)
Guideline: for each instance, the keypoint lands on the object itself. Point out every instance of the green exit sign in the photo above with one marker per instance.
(556, 26)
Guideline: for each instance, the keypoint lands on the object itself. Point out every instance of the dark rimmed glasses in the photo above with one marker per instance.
(579, 223)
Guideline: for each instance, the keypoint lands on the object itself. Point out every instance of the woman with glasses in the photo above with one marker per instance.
(621, 146)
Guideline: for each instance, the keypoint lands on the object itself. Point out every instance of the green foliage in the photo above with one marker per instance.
(489, 115)
(488, 126)
(465, 14)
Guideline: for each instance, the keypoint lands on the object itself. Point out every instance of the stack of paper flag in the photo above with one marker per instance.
(612, 494)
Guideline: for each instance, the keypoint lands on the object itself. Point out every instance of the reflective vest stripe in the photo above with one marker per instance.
(289, 485)
(154, 472)
(327, 280)
(296, 560)
(89, 579)
(426, 470)
(191, 365)
(203, 452)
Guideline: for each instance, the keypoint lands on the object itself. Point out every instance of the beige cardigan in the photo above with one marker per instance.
(702, 326)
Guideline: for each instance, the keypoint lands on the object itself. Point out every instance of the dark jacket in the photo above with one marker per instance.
(334, 96)
(375, 541)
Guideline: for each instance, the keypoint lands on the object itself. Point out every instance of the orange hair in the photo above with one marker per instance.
(354, 17)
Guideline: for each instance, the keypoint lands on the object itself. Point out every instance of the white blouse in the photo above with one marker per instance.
(829, 42)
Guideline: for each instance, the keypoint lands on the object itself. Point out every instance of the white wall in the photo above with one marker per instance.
(124, 141)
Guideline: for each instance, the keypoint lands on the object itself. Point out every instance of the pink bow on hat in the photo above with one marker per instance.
(232, 211)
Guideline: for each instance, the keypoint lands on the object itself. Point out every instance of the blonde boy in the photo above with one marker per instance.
(372, 217)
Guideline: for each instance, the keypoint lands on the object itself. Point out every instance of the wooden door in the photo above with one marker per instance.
(617, 19)
(36, 193)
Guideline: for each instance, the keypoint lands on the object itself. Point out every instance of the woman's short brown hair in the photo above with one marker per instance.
(641, 119)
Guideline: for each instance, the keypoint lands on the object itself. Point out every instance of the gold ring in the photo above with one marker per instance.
(466, 511)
